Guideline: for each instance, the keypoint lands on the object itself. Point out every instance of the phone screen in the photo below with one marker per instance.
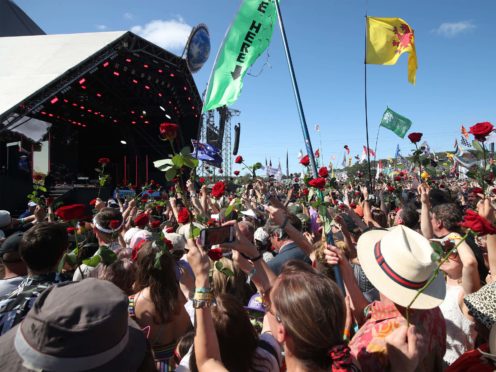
(216, 235)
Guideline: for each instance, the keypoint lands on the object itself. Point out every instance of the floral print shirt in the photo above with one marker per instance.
(368, 345)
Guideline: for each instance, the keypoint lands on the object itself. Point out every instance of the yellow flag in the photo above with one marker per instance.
(387, 40)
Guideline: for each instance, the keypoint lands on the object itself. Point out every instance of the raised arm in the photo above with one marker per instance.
(425, 218)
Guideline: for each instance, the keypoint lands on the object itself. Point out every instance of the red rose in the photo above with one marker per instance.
(169, 230)
(305, 160)
(155, 224)
(397, 178)
(335, 202)
(168, 131)
(215, 254)
(481, 130)
(104, 161)
(297, 179)
(201, 180)
(342, 206)
(415, 137)
(236, 172)
(70, 230)
(218, 190)
(168, 244)
(145, 196)
(323, 172)
(305, 191)
(353, 205)
(358, 193)
(318, 183)
(317, 153)
(478, 224)
(141, 220)
(150, 191)
(114, 224)
(183, 216)
(37, 177)
(390, 188)
(239, 159)
(71, 212)
(92, 202)
(211, 222)
(152, 182)
(476, 190)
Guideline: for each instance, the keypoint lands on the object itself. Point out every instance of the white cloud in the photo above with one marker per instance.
(128, 15)
(452, 29)
(101, 27)
(169, 34)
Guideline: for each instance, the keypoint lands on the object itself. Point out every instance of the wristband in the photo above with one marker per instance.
(203, 290)
(200, 304)
(203, 297)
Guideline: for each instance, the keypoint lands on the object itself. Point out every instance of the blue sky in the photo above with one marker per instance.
(455, 41)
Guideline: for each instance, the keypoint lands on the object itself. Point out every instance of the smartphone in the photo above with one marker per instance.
(216, 235)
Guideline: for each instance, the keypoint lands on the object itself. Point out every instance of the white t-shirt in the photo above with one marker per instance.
(263, 360)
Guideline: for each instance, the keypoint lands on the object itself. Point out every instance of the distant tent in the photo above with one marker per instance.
(14, 22)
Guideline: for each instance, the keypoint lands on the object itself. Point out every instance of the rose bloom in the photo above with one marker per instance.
(397, 178)
(104, 161)
(114, 224)
(478, 224)
(71, 212)
(215, 254)
(297, 179)
(390, 188)
(92, 202)
(201, 180)
(415, 137)
(141, 220)
(323, 172)
(319, 183)
(218, 190)
(239, 159)
(305, 160)
(305, 191)
(168, 131)
(481, 130)
(155, 224)
(183, 216)
(37, 177)
(236, 172)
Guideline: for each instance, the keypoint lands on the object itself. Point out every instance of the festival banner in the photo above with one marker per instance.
(395, 122)
(247, 38)
(387, 39)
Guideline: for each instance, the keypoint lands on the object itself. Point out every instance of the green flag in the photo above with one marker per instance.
(395, 122)
(247, 38)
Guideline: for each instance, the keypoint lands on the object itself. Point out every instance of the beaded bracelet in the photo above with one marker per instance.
(203, 290)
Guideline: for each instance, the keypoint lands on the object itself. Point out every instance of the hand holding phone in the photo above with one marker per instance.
(216, 235)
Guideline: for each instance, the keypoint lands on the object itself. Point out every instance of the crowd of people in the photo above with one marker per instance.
(347, 278)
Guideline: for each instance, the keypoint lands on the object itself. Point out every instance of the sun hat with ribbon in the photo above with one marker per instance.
(76, 326)
(398, 262)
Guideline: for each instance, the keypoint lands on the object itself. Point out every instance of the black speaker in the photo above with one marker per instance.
(237, 132)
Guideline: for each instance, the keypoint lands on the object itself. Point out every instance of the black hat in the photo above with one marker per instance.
(11, 244)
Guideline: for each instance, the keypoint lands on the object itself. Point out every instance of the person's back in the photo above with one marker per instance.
(41, 248)
(158, 304)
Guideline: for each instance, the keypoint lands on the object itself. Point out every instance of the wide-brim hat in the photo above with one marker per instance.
(398, 262)
(482, 304)
(76, 326)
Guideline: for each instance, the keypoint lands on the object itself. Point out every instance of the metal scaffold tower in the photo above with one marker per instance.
(219, 135)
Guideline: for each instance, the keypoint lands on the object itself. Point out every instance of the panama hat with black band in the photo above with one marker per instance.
(398, 262)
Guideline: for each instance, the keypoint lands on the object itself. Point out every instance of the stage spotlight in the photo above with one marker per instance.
(161, 108)
(167, 116)
(123, 142)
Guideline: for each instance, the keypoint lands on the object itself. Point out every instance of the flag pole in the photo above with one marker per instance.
(366, 110)
(376, 140)
(296, 92)
(304, 128)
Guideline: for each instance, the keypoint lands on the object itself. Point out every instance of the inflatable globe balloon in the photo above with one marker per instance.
(198, 48)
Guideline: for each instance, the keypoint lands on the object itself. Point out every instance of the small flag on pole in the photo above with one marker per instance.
(387, 40)
(347, 149)
(395, 122)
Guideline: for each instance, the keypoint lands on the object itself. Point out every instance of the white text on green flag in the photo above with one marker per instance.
(395, 122)
(247, 38)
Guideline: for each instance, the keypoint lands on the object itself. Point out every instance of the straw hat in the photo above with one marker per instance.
(398, 263)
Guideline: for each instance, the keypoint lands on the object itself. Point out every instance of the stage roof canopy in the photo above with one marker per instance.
(96, 81)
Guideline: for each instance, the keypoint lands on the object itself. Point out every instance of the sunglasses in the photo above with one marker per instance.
(267, 304)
